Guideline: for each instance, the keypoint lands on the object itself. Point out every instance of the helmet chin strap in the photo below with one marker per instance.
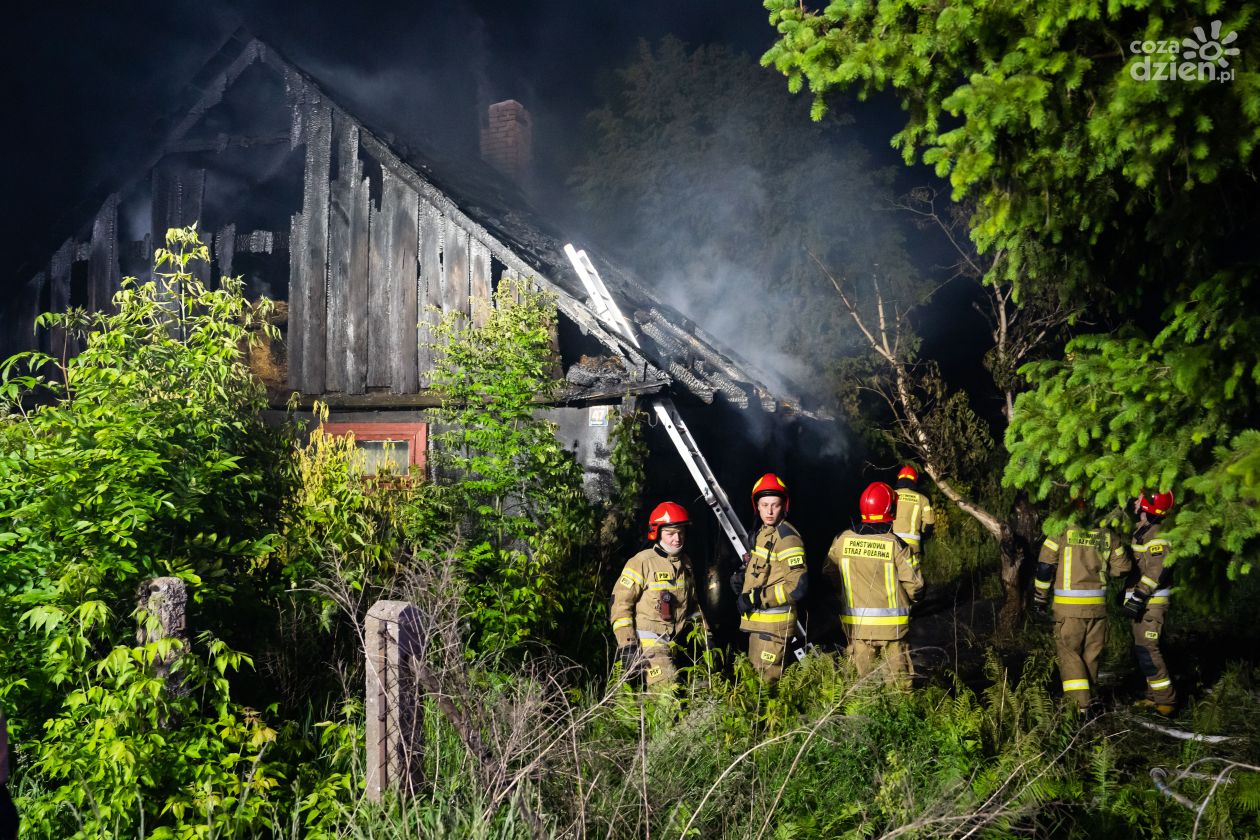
(672, 552)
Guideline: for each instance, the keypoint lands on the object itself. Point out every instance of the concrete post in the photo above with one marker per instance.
(393, 698)
(164, 606)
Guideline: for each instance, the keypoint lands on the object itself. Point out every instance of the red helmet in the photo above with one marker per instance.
(1158, 505)
(770, 485)
(909, 472)
(666, 513)
(876, 502)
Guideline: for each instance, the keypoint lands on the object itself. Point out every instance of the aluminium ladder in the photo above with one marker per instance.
(666, 412)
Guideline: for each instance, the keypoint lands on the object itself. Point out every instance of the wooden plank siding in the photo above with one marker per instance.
(454, 268)
(380, 234)
(399, 208)
(103, 271)
(312, 252)
(341, 210)
(430, 304)
(357, 315)
(60, 344)
(479, 282)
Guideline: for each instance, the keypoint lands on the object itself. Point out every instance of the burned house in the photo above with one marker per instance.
(365, 243)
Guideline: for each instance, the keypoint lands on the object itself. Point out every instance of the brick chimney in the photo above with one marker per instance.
(506, 141)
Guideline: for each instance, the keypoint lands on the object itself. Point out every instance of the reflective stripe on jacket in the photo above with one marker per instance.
(877, 584)
(776, 567)
(1078, 558)
(1150, 558)
(636, 601)
(914, 513)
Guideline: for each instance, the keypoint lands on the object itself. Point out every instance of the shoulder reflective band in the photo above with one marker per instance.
(761, 551)
(1076, 685)
(1149, 582)
(789, 553)
(632, 575)
(874, 549)
(1080, 596)
(1051, 544)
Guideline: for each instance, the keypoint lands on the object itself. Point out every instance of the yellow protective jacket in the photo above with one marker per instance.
(776, 568)
(1150, 558)
(1073, 565)
(914, 513)
(636, 602)
(877, 583)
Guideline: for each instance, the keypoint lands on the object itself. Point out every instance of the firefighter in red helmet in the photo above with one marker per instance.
(1147, 597)
(915, 517)
(774, 581)
(872, 570)
(654, 600)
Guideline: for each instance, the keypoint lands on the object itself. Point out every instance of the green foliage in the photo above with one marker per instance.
(517, 511)
(1121, 415)
(144, 456)
(1078, 171)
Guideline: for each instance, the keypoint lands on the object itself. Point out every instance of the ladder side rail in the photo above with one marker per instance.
(597, 303)
(700, 473)
(609, 302)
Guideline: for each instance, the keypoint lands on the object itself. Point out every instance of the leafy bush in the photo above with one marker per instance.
(518, 516)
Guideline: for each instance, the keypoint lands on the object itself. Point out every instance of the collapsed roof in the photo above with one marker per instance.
(470, 211)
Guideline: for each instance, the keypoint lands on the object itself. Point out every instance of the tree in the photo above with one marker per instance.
(511, 497)
(715, 186)
(1038, 115)
(1091, 181)
(917, 414)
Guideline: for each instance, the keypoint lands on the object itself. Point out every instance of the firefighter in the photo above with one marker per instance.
(773, 581)
(873, 571)
(1073, 565)
(914, 513)
(654, 601)
(1147, 597)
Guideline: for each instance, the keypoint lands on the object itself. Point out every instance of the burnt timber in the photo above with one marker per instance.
(371, 244)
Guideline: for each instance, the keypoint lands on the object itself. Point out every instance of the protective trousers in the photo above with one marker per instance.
(1146, 635)
(866, 653)
(660, 672)
(766, 651)
(1080, 643)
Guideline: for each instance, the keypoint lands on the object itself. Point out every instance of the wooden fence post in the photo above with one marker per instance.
(394, 721)
(163, 604)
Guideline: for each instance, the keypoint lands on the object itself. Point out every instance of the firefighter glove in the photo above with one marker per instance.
(737, 577)
(1041, 607)
(1135, 604)
(629, 658)
(748, 601)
